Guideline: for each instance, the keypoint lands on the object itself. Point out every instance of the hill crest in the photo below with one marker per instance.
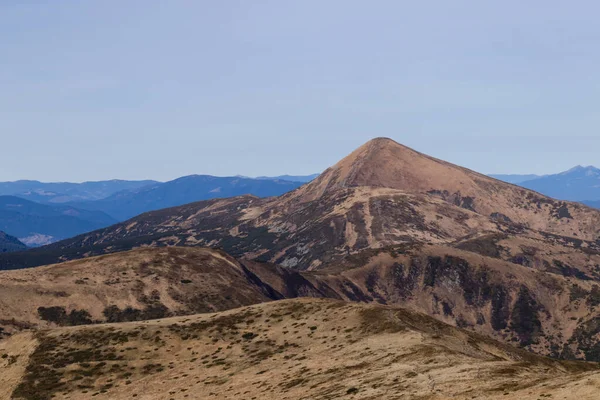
(304, 348)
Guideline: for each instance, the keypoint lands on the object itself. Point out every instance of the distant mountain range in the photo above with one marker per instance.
(41, 213)
(75, 208)
(10, 243)
(38, 224)
(63, 192)
(291, 178)
(515, 178)
(577, 184)
(129, 203)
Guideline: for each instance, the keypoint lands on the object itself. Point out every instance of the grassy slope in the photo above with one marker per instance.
(291, 349)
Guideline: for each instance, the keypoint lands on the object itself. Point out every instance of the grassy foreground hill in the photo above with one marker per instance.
(548, 313)
(136, 285)
(291, 349)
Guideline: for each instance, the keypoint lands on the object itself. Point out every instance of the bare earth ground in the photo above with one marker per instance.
(291, 349)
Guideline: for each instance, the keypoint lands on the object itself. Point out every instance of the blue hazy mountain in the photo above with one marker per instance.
(10, 243)
(63, 192)
(188, 189)
(37, 224)
(577, 184)
(592, 203)
(291, 178)
(514, 178)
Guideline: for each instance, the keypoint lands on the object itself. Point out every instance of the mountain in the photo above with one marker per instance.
(592, 203)
(391, 225)
(37, 224)
(127, 204)
(514, 178)
(382, 194)
(291, 178)
(63, 192)
(577, 184)
(10, 243)
(294, 349)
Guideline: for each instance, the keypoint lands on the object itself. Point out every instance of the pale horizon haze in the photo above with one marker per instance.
(136, 89)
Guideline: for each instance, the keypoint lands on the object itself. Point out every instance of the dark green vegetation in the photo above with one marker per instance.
(154, 311)
(485, 245)
(586, 339)
(60, 317)
(457, 199)
(525, 319)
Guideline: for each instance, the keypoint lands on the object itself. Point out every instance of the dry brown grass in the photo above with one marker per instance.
(292, 349)
(178, 280)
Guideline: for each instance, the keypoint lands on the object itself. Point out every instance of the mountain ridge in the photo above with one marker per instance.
(433, 201)
(36, 223)
(515, 179)
(127, 204)
(291, 178)
(63, 192)
(10, 243)
(580, 183)
(577, 184)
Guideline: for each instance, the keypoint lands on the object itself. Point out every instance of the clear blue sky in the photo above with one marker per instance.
(158, 89)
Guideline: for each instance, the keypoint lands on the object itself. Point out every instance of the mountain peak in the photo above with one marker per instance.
(385, 163)
(588, 170)
(574, 169)
(381, 162)
(381, 144)
(382, 140)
